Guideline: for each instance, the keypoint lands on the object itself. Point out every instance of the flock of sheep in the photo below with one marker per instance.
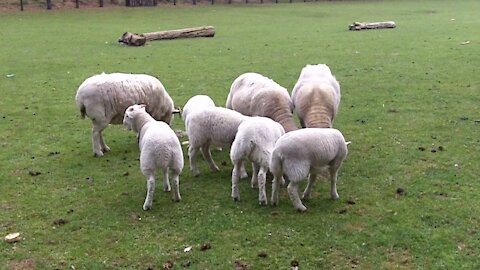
(257, 123)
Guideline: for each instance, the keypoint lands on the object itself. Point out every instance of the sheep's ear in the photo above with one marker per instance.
(142, 106)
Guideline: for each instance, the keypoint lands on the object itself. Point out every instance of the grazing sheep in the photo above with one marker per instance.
(307, 151)
(255, 141)
(159, 149)
(253, 94)
(316, 96)
(197, 102)
(105, 97)
(211, 126)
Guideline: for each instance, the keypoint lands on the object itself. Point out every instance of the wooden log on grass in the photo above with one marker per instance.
(202, 31)
(133, 39)
(371, 25)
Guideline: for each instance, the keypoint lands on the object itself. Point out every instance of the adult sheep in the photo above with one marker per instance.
(254, 141)
(104, 98)
(307, 151)
(253, 94)
(316, 96)
(211, 126)
(159, 149)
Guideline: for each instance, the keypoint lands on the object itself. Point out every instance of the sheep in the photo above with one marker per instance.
(307, 151)
(253, 94)
(255, 141)
(104, 98)
(316, 96)
(159, 149)
(197, 102)
(211, 126)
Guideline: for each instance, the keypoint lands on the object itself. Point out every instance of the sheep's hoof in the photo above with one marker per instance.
(236, 199)
(176, 199)
(262, 202)
(105, 149)
(274, 203)
(98, 154)
(167, 189)
(147, 207)
(335, 197)
(301, 208)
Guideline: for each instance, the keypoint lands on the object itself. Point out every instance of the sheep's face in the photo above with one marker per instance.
(130, 112)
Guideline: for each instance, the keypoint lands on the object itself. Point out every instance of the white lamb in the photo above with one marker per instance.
(316, 96)
(211, 126)
(253, 94)
(159, 149)
(255, 141)
(307, 151)
(105, 97)
(197, 102)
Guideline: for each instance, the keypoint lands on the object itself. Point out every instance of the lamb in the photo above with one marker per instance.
(211, 126)
(316, 96)
(307, 151)
(159, 149)
(197, 102)
(255, 141)
(104, 98)
(253, 94)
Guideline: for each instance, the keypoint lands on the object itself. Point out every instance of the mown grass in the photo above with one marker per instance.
(403, 90)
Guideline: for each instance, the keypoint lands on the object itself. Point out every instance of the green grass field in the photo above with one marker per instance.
(410, 99)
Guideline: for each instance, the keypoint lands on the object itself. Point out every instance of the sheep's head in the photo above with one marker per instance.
(310, 71)
(130, 112)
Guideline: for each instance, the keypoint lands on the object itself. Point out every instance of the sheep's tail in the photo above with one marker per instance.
(347, 143)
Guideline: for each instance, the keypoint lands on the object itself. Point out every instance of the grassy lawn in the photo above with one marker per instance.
(410, 105)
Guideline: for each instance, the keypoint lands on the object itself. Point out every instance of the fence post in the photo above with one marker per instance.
(21, 5)
(194, 2)
(49, 4)
(100, 3)
(76, 4)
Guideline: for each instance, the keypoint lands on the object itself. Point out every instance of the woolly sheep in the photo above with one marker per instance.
(104, 98)
(211, 126)
(255, 141)
(307, 151)
(253, 94)
(316, 96)
(159, 149)
(197, 102)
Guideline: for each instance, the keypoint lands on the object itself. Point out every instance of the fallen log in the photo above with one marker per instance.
(203, 31)
(133, 39)
(371, 25)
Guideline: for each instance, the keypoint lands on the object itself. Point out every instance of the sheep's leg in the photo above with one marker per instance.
(192, 155)
(99, 146)
(105, 147)
(150, 191)
(166, 181)
(243, 172)
(333, 183)
(275, 187)
(235, 177)
(308, 190)
(176, 186)
(292, 189)
(262, 179)
(208, 157)
(256, 169)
